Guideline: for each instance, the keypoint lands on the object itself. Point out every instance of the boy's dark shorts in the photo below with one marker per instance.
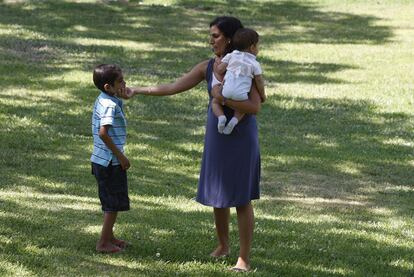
(112, 187)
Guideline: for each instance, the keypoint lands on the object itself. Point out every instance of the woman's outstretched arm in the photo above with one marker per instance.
(250, 106)
(185, 82)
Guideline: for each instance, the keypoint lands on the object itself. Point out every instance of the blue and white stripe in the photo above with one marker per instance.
(108, 111)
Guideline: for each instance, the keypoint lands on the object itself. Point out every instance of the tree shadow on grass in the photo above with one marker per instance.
(299, 22)
(299, 247)
(310, 22)
(332, 149)
(336, 149)
(48, 146)
(328, 148)
(52, 234)
(281, 71)
(77, 36)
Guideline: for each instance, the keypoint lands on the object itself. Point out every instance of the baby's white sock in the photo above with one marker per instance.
(221, 123)
(229, 128)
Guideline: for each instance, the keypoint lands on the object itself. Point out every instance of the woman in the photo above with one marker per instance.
(230, 171)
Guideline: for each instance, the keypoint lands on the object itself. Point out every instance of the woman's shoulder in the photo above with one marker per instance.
(201, 67)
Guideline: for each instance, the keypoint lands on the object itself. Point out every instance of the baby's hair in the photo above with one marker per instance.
(105, 74)
(244, 38)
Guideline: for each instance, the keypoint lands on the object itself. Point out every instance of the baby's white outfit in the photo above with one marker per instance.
(241, 69)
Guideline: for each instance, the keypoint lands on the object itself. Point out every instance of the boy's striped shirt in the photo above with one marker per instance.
(108, 111)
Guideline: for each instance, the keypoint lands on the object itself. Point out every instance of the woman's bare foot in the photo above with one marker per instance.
(241, 265)
(107, 248)
(220, 251)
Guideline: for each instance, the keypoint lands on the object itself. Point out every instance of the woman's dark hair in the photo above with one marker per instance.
(105, 74)
(244, 38)
(228, 25)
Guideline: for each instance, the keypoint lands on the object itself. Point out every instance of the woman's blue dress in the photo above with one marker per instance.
(230, 169)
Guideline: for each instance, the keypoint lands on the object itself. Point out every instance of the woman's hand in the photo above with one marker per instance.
(126, 93)
(129, 92)
(250, 106)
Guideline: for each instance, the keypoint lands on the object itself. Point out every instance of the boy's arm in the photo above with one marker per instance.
(103, 134)
(259, 81)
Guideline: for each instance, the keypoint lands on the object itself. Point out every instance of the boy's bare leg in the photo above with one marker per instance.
(218, 111)
(233, 122)
(245, 219)
(118, 242)
(105, 242)
(221, 218)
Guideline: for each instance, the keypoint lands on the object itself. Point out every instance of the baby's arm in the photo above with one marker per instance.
(259, 81)
(221, 68)
(220, 65)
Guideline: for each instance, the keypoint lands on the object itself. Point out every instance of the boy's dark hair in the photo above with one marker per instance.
(244, 38)
(105, 74)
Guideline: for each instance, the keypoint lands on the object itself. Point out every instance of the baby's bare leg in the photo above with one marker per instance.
(216, 107)
(238, 115)
(233, 122)
(218, 111)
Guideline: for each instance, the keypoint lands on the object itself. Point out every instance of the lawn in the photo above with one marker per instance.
(336, 137)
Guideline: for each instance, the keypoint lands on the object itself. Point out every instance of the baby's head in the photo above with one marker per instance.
(246, 40)
(108, 78)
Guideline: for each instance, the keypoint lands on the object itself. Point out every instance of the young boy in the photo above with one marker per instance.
(239, 67)
(109, 164)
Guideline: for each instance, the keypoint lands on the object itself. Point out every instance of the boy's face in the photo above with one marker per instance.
(118, 85)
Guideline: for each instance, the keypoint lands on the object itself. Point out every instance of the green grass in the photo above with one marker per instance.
(336, 138)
